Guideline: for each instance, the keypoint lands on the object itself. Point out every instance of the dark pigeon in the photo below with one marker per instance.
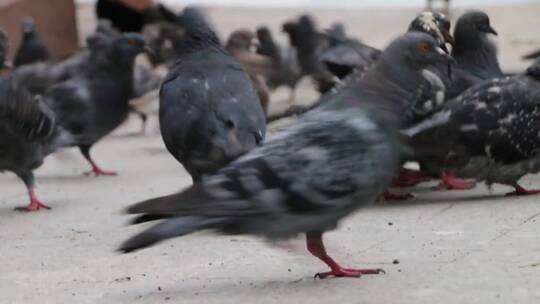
(309, 176)
(347, 54)
(475, 54)
(285, 70)
(32, 49)
(489, 133)
(309, 44)
(27, 127)
(344, 54)
(93, 104)
(209, 112)
(4, 47)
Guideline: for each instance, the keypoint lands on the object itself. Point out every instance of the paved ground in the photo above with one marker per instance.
(444, 247)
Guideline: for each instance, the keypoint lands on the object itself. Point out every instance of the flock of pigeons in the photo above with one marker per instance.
(431, 97)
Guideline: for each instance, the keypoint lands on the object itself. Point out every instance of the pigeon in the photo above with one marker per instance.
(239, 45)
(32, 48)
(332, 161)
(475, 54)
(129, 19)
(286, 70)
(38, 77)
(209, 111)
(345, 54)
(93, 104)
(309, 44)
(28, 133)
(490, 132)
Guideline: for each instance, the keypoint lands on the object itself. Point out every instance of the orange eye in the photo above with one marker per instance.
(423, 47)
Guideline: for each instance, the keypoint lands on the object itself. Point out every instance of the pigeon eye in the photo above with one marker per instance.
(423, 47)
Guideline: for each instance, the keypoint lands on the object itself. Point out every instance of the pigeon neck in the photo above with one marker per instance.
(473, 51)
(196, 40)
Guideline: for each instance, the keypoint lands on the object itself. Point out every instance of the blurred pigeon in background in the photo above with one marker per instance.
(285, 70)
(209, 112)
(475, 54)
(309, 44)
(31, 49)
(94, 103)
(332, 161)
(240, 45)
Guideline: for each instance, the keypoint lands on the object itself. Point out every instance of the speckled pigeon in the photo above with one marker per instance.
(332, 161)
(489, 133)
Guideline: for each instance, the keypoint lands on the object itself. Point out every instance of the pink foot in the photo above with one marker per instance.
(450, 182)
(97, 171)
(519, 191)
(408, 178)
(391, 196)
(348, 272)
(34, 205)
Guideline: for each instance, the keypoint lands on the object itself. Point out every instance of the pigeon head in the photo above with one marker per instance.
(230, 138)
(105, 27)
(471, 27)
(241, 39)
(264, 35)
(28, 27)
(194, 32)
(434, 24)
(415, 50)
(124, 48)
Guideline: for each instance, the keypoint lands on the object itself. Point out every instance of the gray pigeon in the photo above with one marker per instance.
(475, 54)
(32, 49)
(489, 133)
(332, 161)
(26, 129)
(93, 104)
(209, 112)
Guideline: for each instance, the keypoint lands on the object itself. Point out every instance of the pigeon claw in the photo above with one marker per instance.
(348, 273)
(100, 172)
(451, 182)
(34, 205)
(520, 191)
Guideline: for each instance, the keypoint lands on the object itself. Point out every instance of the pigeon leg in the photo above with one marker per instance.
(35, 203)
(144, 119)
(449, 182)
(96, 170)
(392, 196)
(409, 177)
(315, 246)
(522, 191)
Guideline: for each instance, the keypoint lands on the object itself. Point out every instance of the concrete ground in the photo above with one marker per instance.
(443, 247)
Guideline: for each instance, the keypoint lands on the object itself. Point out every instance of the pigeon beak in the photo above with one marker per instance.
(491, 30)
(445, 57)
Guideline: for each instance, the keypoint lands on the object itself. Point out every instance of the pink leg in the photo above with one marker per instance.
(451, 182)
(35, 203)
(315, 246)
(96, 170)
(519, 191)
(408, 177)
